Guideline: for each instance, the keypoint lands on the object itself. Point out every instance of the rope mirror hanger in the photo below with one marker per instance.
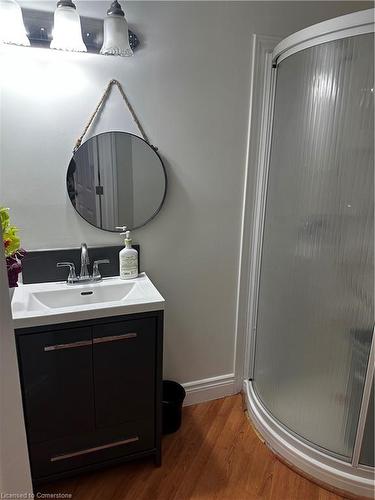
(101, 103)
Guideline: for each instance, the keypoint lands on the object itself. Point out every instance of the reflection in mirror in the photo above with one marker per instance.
(116, 179)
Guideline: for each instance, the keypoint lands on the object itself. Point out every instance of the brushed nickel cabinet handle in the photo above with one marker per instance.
(72, 345)
(93, 450)
(112, 338)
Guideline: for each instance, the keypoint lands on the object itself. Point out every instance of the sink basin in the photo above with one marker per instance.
(77, 296)
(52, 303)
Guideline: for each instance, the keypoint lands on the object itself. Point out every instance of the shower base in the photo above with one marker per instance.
(309, 461)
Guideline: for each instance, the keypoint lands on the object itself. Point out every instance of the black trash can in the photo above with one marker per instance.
(172, 398)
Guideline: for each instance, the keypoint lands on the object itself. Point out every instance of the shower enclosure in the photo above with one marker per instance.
(311, 356)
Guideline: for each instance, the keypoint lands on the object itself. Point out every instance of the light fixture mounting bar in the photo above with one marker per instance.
(39, 26)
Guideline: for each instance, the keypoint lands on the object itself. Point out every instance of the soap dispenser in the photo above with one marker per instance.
(128, 258)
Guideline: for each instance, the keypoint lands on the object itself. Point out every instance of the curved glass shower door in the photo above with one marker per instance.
(316, 293)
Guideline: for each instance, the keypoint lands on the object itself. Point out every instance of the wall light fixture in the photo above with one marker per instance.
(12, 28)
(116, 37)
(67, 34)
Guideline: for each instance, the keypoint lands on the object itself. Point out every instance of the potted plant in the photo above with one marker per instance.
(12, 249)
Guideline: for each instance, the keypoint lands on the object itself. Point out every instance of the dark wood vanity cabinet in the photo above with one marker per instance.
(123, 370)
(91, 393)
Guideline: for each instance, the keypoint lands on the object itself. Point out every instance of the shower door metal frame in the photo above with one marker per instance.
(252, 271)
(358, 23)
(364, 408)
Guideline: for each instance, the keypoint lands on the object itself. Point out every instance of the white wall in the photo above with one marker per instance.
(14, 460)
(189, 85)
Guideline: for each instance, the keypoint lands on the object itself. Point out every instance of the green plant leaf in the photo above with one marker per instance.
(11, 239)
(4, 218)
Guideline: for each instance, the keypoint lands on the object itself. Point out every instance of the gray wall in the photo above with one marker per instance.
(148, 181)
(189, 85)
(124, 179)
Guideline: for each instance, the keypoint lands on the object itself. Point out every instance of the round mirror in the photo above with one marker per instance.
(116, 179)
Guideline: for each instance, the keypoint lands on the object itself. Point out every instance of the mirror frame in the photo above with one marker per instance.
(155, 150)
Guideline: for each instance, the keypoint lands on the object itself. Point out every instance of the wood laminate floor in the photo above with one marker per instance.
(215, 455)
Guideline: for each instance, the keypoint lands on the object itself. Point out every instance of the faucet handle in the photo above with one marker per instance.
(96, 276)
(72, 277)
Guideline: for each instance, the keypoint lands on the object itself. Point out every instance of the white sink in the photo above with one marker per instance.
(51, 303)
(78, 296)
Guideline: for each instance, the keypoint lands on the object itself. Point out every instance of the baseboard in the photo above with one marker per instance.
(208, 389)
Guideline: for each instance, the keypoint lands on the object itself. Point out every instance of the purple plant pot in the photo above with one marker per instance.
(14, 267)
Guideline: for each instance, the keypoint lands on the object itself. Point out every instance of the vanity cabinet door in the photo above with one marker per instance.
(124, 358)
(56, 372)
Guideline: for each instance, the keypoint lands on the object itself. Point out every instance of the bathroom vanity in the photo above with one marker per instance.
(90, 349)
(90, 359)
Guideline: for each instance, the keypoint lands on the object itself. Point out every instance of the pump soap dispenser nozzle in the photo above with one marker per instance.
(122, 228)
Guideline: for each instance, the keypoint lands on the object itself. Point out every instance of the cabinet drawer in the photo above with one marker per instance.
(63, 455)
(124, 361)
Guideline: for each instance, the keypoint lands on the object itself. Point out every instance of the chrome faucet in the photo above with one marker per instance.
(84, 276)
(85, 261)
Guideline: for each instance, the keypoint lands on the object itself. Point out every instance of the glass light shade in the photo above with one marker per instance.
(66, 34)
(116, 37)
(12, 29)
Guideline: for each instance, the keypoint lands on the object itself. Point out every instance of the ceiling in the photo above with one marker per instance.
(87, 8)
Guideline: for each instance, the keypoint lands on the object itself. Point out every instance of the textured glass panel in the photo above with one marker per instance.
(315, 311)
(367, 452)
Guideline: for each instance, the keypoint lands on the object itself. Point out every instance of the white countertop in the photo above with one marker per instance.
(31, 304)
